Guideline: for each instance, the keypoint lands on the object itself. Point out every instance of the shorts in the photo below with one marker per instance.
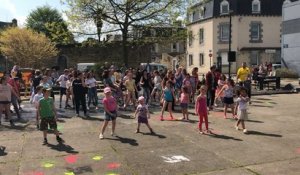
(48, 121)
(110, 117)
(142, 119)
(63, 91)
(184, 105)
(228, 100)
(5, 102)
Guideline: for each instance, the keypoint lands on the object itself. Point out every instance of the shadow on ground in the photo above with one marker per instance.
(132, 142)
(62, 148)
(263, 134)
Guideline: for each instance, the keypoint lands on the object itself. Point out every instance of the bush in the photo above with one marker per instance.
(286, 73)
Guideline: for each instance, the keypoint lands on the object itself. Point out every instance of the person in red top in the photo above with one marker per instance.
(110, 111)
(15, 98)
(211, 84)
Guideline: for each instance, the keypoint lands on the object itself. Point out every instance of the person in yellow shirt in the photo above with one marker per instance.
(243, 73)
(131, 89)
(244, 78)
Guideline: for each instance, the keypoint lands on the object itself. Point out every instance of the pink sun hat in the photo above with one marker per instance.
(106, 90)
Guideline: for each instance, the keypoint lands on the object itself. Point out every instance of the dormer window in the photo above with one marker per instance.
(201, 12)
(256, 6)
(224, 7)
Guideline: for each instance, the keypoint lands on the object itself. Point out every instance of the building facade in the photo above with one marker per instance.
(291, 35)
(255, 33)
(167, 43)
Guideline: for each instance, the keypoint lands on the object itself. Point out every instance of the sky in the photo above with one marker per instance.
(20, 9)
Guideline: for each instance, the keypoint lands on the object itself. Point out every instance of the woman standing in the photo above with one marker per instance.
(92, 90)
(145, 82)
(78, 87)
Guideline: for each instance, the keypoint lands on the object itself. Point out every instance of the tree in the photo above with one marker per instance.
(50, 22)
(82, 13)
(26, 47)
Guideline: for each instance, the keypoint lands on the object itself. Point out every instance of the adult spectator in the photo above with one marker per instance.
(79, 92)
(244, 78)
(146, 85)
(15, 98)
(211, 85)
(62, 80)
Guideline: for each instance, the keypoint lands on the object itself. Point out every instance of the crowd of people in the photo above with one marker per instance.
(126, 89)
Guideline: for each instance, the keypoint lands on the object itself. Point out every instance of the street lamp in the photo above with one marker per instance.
(210, 55)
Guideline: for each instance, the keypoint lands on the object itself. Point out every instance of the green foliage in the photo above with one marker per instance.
(26, 47)
(286, 73)
(50, 22)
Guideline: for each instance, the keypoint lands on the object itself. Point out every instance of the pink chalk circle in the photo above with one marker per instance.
(71, 159)
(34, 173)
(113, 165)
(298, 150)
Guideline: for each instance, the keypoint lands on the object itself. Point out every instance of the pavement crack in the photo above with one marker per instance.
(21, 155)
(252, 171)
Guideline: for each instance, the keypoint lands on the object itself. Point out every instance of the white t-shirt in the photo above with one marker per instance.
(91, 82)
(242, 104)
(37, 98)
(62, 80)
(157, 82)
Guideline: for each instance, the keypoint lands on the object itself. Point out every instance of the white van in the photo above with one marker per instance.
(84, 66)
(154, 66)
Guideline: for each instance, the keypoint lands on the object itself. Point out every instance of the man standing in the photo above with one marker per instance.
(62, 80)
(211, 85)
(243, 78)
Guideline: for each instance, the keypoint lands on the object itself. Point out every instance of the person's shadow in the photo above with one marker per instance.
(2, 151)
(262, 134)
(155, 135)
(132, 142)
(220, 136)
(62, 147)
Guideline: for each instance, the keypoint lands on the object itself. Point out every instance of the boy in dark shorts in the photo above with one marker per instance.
(47, 114)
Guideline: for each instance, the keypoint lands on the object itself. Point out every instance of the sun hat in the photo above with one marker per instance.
(106, 90)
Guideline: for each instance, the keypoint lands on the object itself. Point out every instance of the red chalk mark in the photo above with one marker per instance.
(113, 165)
(71, 159)
(34, 173)
(298, 150)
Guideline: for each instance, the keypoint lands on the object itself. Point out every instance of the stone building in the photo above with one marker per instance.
(255, 32)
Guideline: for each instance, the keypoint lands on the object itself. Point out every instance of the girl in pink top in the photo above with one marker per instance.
(201, 109)
(184, 102)
(110, 112)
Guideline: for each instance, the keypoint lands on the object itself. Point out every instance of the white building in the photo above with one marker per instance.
(291, 35)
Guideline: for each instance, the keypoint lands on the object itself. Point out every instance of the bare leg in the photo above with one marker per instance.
(45, 134)
(225, 110)
(138, 128)
(104, 126)
(163, 108)
(113, 126)
(243, 124)
(170, 109)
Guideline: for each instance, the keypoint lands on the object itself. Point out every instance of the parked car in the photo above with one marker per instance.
(154, 66)
(85, 66)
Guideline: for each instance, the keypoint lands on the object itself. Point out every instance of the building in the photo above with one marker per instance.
(255, 33)
(167, 43)
(291, 35)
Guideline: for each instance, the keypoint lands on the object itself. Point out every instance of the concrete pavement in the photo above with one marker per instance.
(272, 146)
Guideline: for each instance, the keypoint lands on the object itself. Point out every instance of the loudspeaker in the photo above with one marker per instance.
(231, 56)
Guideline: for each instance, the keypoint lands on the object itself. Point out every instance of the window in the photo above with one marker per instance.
(190, 60)
(201, 35)
(175, 47)
(201, 59)
(224, 7)
(224, 56)
(255, 6)
(255, 31)
(201, 12)
(224, 32)
(190, 35)
(254, 57)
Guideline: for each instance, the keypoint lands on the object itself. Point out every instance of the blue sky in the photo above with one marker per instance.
(20, 9)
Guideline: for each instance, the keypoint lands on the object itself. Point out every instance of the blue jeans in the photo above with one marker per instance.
(92, 96)
(146, 94)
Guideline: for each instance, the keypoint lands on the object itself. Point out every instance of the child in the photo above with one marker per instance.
(228, 96)
(201, 109)
(221, 83)
(241, 109)
(36, 98)
(47, 113)
(157, 85)
(187, 83)
(110, 111)
(184, 102)
(167, 98)
(143, 114)
(131, 89)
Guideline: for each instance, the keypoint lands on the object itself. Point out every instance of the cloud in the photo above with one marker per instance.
(8, 5)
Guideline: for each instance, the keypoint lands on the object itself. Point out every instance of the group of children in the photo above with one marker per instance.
(46, 112)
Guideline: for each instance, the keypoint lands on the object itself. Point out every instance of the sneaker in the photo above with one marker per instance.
(45, 141)
(137, 131)
(237, 128)
(201, 132)
(112, 134)
(101, 136)
(59, 139)
(245, 131)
